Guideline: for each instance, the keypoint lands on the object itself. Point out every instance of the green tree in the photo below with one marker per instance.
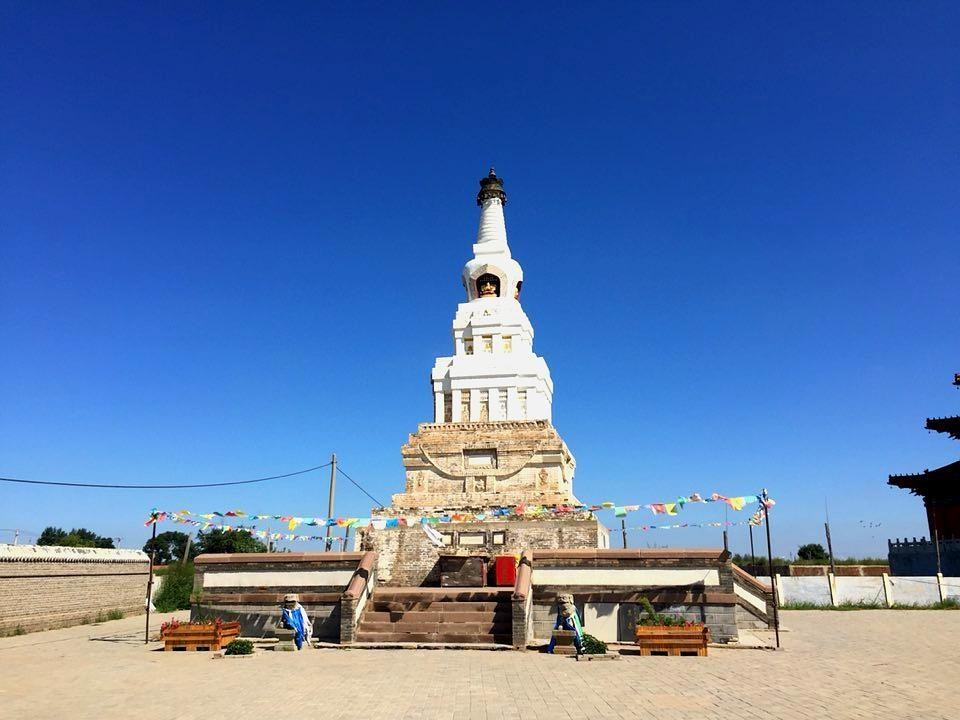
(812, 551)
(77, 537)
(169, 547)
(228, 541)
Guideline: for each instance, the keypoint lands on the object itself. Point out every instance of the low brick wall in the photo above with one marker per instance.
(45, 587)
(249, 588)
(607, 586)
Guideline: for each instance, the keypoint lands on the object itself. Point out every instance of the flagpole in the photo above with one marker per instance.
(773, 587)
(153, 554)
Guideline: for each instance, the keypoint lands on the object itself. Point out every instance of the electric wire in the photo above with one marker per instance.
(360, 487)
(165, 487)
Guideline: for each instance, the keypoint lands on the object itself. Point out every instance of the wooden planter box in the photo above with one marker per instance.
(673, 640)
(200, 637)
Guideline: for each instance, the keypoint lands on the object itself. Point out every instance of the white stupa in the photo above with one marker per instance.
(494, 373)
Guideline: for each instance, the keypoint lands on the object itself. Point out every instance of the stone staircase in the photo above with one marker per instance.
(460, 616)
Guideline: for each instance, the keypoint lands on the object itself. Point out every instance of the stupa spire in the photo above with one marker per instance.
(492, 272)
(492, 233)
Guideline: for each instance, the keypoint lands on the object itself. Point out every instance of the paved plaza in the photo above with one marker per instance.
(864, 664)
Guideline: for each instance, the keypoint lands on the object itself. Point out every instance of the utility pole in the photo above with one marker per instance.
(186, 549)
(333, 485)
(773, 582)
(153, 554)
(936, 540)
(826, 526)
(753, 556)
(623, 529)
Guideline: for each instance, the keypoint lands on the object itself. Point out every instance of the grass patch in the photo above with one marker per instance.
(948, 604)
(803, 605)
(861, 605)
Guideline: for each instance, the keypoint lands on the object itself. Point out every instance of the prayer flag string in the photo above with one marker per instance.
(216, 519)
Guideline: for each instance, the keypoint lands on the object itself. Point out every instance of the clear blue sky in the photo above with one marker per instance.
(231, 238)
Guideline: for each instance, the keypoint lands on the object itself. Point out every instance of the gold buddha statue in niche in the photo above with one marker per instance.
(488, 286)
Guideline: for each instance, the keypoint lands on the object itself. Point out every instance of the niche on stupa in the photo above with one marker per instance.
(488, 285)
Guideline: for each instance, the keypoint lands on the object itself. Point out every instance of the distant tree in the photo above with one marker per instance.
(51, 536)
(812, 551)
(169, 546)
(77, 537)
(228, 541)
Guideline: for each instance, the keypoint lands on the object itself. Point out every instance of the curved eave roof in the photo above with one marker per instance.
(950, 425)
(946, 477)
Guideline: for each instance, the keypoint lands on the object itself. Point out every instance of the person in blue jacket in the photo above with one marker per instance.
(294, 617)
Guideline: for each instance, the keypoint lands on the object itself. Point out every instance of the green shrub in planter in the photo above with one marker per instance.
(592, 646)
(239, 647)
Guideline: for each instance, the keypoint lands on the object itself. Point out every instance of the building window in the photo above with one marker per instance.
(522, 401)
(507, 343)
(502, 397)
(484, 406)
(487, 341)
(474, 539)
(448, 407)
(498, 537)
(464, 406)
(468, 346)
(447, 538)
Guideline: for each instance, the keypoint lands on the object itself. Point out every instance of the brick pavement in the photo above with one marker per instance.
(864, 664)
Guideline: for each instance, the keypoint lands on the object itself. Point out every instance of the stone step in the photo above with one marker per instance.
(386, 605)
(414, 626)
(443, 594)
(437, 616)
(451, 636)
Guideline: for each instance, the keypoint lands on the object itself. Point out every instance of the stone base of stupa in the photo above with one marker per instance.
(408, 557)
(485, 465)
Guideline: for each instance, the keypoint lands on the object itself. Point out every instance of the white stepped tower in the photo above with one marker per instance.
(494, 374)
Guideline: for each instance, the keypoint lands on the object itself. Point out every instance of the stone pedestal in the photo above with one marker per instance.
(485, 464)
(285, 642)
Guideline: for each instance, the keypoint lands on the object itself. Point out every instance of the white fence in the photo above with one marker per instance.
(886, 590)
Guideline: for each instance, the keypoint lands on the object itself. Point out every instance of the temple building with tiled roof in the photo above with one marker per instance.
(940, 490)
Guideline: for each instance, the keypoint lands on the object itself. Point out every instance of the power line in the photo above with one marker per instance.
(379, 504)
(164, 487)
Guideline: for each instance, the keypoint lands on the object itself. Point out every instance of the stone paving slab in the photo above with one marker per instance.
(837, 665)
